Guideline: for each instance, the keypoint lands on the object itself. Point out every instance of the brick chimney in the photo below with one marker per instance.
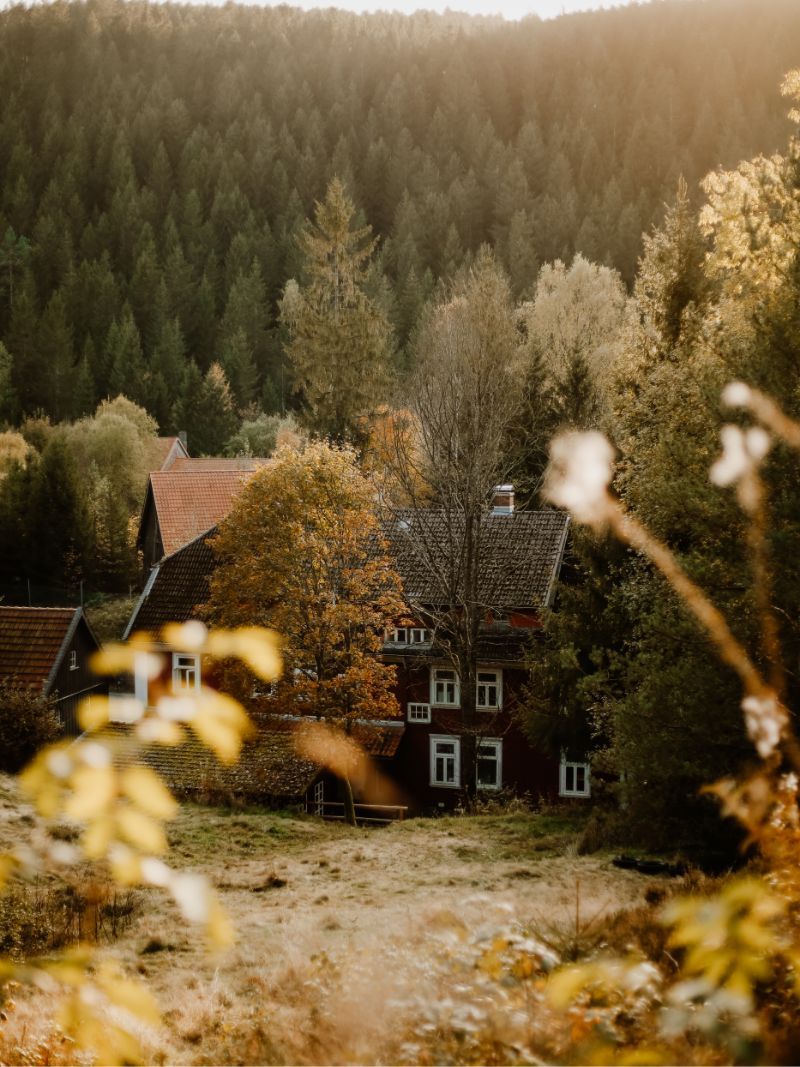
(503, 501)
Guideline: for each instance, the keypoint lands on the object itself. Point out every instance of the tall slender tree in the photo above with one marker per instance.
(340, 341)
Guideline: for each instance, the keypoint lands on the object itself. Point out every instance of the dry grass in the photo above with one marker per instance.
(336, 927)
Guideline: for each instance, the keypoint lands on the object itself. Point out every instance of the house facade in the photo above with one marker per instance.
(519, 560)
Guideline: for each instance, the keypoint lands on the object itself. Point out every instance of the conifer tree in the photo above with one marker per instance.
(208, 410)
(339, 339)
(125, 358)
(55, 351)
(8, 396)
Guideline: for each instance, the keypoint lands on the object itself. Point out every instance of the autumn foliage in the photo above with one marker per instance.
(302, 553)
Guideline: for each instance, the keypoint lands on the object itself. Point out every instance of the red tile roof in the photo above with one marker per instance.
(218, 463)
(163, 449)
(32, 641)
(189, 502)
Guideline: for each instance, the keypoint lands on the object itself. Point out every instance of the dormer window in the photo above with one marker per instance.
(398, 636)
(185, 671)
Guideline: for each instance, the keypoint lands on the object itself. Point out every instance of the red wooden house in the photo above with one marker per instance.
(518, 565)
(420, 756)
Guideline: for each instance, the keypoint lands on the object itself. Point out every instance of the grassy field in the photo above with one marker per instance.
(338, 929)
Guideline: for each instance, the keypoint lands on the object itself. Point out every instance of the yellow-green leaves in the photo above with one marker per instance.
(728, 940)
(221, 723)
(253, 645)
(144, 787)
(122, 807)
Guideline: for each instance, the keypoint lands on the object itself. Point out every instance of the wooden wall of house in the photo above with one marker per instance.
(150, 537)
(71, 685)
(524, 770)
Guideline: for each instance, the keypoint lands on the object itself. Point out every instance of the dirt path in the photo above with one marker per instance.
(335, 925)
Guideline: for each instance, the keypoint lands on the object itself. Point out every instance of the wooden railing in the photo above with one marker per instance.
(366, 814)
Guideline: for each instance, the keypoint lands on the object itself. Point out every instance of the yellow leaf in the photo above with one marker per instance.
(116, 659)
(566, 983)
(220, 929)
(141, 831)
(148, 792)
(254, 645)
(126, 867)
(130, 995)
(97, 837)
(93, 712)
(185, 637)
(159, 732)
(225, 742)
(93, 790)
(69, 969)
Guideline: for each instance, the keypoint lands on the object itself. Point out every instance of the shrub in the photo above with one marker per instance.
(28, 721)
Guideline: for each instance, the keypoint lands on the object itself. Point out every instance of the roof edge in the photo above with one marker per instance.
(73, 626)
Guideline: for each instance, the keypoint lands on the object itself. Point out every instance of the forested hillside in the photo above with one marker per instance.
(158, 162)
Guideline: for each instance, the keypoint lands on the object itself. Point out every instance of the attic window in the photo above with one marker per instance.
(73, 660)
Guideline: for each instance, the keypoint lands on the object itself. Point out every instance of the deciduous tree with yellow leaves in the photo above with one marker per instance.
(302, 552)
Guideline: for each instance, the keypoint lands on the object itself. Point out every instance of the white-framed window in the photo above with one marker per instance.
(489, 763)
(446, 761)
(73, 660)
(398, 636)
(185, 671)
(573, 779)
(418, 636)
(445, 687)
(489, 694)
(419, 713)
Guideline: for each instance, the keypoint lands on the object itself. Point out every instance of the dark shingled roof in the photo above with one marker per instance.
(267, 767)
(177, 585)
(519, 560)
(379, 738)
(32, 641)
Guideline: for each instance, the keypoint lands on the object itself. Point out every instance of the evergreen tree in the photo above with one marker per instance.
(8, 396)
(207, 410)
(125, 358)
(57, 519)
(339, 340)
(55, 351)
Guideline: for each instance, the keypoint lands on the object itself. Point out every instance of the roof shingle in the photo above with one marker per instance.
(520, 555)
(218, 463)
(267, 767)
(30, 642)
(176, 586)
(189, 502)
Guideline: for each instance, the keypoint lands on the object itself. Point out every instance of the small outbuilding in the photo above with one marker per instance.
(48, 650)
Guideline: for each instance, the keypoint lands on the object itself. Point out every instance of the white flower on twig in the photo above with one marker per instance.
(579, 474)
(765, 720)
(737, 395)
(742, 451)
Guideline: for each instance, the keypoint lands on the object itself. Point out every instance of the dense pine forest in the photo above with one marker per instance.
(158, 162)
